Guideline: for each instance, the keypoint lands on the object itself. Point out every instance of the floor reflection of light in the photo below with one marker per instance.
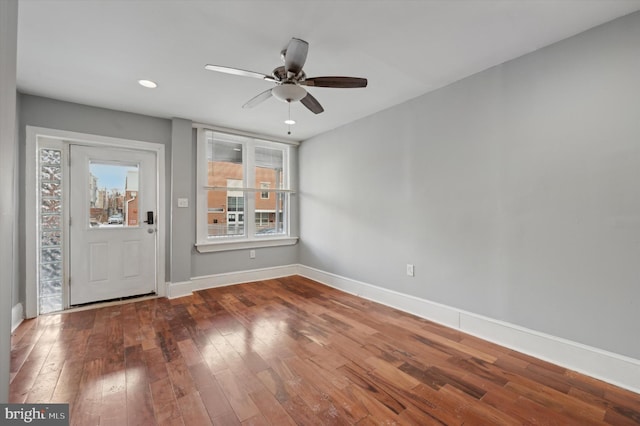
(116, 381)
(267, 335)
(135, 374)
(216, 339)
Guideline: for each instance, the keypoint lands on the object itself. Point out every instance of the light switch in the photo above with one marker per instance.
(183, 202)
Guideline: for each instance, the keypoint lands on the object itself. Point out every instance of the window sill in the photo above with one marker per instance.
(209, 247)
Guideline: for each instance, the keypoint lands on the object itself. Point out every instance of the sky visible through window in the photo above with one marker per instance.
(111, 176)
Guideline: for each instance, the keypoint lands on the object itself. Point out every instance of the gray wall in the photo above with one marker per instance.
(8, 148)
(515, 192)
(182, 219)
(203, 264)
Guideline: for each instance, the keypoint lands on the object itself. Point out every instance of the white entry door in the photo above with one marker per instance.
(113, 202)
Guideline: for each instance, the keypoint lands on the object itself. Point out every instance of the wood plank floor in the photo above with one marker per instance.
(291, 351)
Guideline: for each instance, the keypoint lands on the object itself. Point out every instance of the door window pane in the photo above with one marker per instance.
(113, 195)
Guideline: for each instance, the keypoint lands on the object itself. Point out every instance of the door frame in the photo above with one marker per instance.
(36, 136)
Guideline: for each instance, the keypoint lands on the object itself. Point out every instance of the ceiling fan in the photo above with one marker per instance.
(290, 78)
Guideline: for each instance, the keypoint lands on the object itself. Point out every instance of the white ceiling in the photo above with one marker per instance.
(94, 51)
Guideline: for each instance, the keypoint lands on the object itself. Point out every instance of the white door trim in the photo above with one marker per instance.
(31, 180)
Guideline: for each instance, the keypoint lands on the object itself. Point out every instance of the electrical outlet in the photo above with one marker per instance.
(252, 254)
(410, 271)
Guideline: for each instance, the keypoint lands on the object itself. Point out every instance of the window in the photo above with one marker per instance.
(51, 266)
(264, 194)
(240, 178)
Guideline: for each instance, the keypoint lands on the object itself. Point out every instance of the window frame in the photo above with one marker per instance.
(206, 243)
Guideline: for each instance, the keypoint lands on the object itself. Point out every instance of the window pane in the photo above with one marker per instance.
(50, 238)
(50, 222)
(269, 168)
(50, 156)
(270, 205)
(50, 189)
(273, 219)
(50, 173)
(50, 303)
(224, 163)
(50, 205)
(225, 213)
(113, 195)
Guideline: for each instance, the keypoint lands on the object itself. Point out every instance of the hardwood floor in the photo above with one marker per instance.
(291, 351)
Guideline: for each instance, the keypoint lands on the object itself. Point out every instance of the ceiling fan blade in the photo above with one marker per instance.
(237, 71)
(339, 82)
(258, 99)
(295, 56)
(312, 104)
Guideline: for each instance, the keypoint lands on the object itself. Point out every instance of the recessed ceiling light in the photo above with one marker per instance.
(289, 122)
(148, 84)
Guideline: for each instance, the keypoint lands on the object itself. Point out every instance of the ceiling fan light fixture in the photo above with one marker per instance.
(148, 84)
(288, 92)
(290, 122)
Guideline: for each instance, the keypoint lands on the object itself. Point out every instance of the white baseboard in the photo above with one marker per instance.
(610, 367)
(231, 278)
(185, 288)
(17, 315)
(180, 289)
